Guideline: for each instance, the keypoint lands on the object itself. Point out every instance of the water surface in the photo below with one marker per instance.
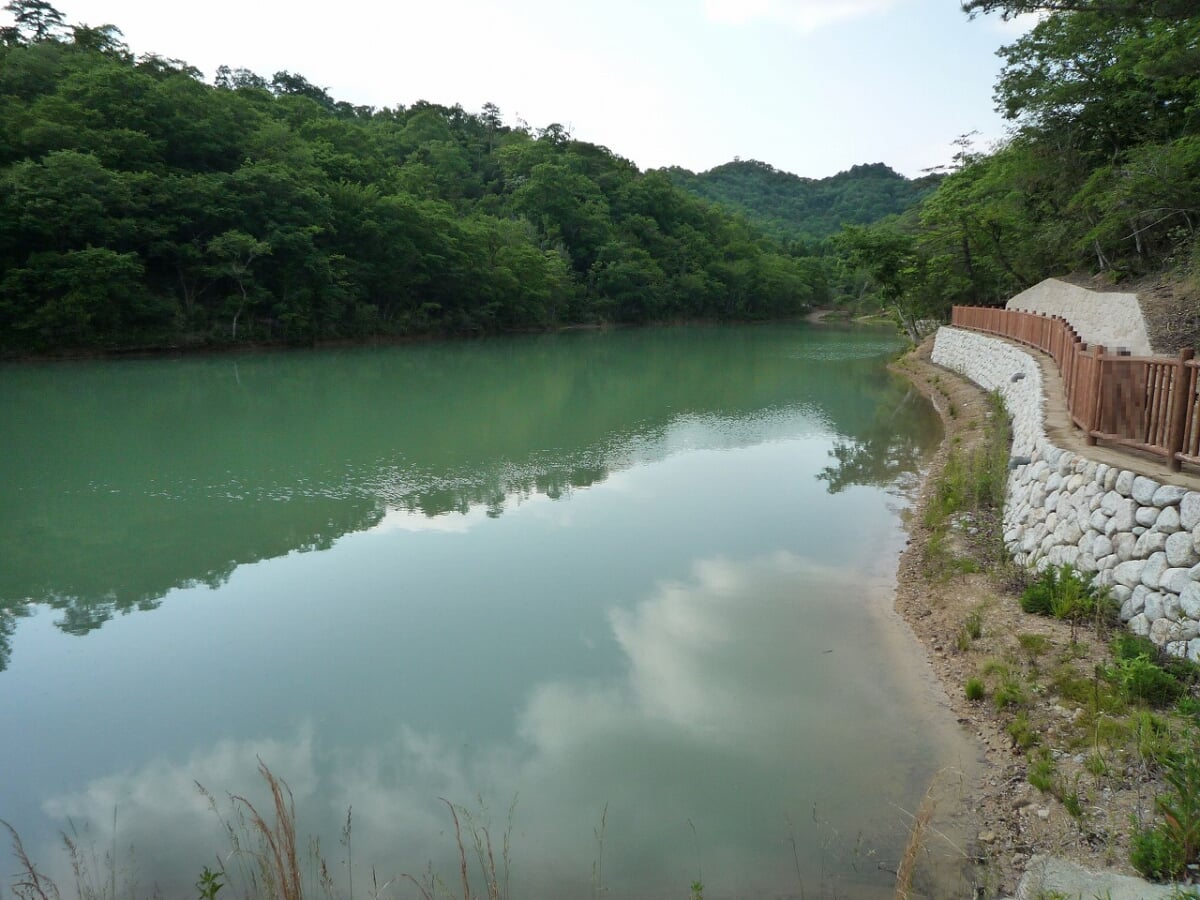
(637, 581)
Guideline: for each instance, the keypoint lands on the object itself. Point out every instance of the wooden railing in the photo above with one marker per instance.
(1148, 403)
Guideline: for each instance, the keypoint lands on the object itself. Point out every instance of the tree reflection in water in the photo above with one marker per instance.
(883, 454)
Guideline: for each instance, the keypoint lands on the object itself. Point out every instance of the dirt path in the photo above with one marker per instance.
(1005, 817)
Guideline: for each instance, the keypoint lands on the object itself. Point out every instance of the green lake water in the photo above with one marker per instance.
(638, 581)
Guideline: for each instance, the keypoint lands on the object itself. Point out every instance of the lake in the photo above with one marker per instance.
(622, 596)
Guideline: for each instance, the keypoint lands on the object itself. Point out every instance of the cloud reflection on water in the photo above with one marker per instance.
(731, 664)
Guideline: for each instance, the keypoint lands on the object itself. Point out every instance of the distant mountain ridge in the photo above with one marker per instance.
(809, 209)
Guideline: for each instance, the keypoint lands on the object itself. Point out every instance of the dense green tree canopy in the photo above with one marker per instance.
(142, 207)
(806, 209)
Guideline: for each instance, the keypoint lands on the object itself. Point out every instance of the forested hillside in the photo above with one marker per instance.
(1101, 173)
(807, 209)
(142, 207)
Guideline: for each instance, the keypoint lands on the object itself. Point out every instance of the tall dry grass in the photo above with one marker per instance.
(914, 848)
(29, 883)
(279, 865)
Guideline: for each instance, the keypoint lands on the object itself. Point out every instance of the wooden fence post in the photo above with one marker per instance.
(1095, 391)
(1180, 404)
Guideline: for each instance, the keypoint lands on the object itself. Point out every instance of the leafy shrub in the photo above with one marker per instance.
(1065, 593)
(1155, 855)
(1126, 646)
(1038, 597)
(1060, 592)
(1143, 681)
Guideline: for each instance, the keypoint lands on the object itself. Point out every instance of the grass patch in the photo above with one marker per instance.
(974, 625)
(1022, 733)
(1072, 801)
(1042, 772)
(1010, 692)
(1152, 739)
(969, 495)
(1033, 647)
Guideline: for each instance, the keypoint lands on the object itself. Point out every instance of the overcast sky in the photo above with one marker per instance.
(810, 86)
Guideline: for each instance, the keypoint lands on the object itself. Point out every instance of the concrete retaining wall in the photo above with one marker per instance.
(1135, 535)
(1112, 319)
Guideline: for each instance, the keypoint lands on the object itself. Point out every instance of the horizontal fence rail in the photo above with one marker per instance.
(1147, 403)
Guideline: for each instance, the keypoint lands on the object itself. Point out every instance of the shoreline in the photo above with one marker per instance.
(1005, 820)
(200, 348)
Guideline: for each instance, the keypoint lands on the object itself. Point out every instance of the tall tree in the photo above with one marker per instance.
(234, 253)
(36, 20)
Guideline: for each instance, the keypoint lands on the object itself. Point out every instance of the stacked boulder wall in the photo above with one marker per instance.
(1099, 317)
(1134, 535)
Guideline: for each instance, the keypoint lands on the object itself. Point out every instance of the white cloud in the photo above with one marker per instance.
(686, 680)
(803, 15)
(160, 811)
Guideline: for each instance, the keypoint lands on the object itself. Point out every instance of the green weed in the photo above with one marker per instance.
(1166, 850)
(1154, 855)
(1153, 739)
(974, 625)
(1141, 680)
(1033, 646)
(1189, 707)
(209, 884)
(1096, 765)
(974, 690)
(972, 483)
(1072, 802)
(1041, 773)
(1063, 593)
(1021, 732)
(1010, 692)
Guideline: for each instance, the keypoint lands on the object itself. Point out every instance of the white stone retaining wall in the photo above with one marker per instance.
(1101, 317)
(1139, 537)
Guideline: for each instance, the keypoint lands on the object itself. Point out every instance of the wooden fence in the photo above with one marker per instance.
(1148, 403)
